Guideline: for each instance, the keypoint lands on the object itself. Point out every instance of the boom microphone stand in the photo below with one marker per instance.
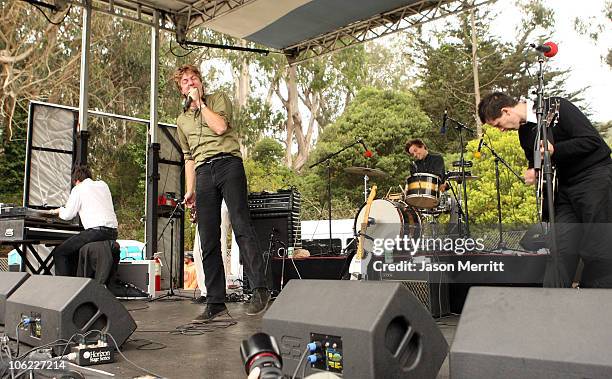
(327, 160)
(460, 127)
(500, 244)
(547, 170)
(170, 222)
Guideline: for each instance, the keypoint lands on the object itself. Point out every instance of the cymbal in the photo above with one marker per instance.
(365, 171)
(458, 178)
(465, 163)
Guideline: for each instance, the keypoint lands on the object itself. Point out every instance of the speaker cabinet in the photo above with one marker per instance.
(62, 306)
(534, 333)
(361, 329)
(9, 282)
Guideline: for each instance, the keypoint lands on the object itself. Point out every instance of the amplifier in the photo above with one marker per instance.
(282, 200)
(141, 274)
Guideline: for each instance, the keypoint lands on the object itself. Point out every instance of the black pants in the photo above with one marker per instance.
(583, 212)
(66, 255)
(215, 181)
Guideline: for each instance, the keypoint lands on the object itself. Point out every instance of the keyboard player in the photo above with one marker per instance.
(93, 202)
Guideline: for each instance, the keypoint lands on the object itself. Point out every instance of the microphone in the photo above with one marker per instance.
(443, 128)
(478, 154)
(549, 49)
(416, 169)
(187, 103)
(367, 152)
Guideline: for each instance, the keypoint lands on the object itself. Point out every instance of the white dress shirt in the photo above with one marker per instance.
(531, 115)
(93, 202)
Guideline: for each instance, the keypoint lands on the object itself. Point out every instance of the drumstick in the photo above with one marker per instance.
(388, 192)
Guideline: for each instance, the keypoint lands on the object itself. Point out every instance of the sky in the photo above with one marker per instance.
(579, 53)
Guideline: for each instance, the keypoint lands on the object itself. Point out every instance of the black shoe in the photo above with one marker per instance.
(199, 300)
(211, 312)
(259, 301)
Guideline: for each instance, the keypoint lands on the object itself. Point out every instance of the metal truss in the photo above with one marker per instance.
(137, 11)
(176, 16)
(180, 16)
(380, 25)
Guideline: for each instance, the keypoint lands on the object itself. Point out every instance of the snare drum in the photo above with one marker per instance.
(444, 206)
(422, 190)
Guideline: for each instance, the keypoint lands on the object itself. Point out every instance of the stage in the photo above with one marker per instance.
(204, 352)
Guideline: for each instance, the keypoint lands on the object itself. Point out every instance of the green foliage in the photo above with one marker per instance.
(385, 120)
(268, 151)
(12, 158)
(446, 74)
(254, 120)
(270, 176)
(517, 199)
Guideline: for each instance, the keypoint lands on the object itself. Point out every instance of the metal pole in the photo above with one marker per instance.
(84, 79)
(153, 147)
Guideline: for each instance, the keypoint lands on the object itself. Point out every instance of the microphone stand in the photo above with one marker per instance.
(547, 170)
(460, 214)
(170, 222)
(460, 127)
(327, 160)
(500, 244)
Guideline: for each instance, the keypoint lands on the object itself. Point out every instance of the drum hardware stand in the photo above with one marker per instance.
(460, 214)
(170, 222)
(500, 244)
(267, 258)
(327, 161)
(547, 170)
(460, 127)
(365, 187)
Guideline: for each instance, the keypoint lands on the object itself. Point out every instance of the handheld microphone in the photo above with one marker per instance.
(480, 143)
(187, 103)
(478, 154)
(549, 49)
(443, 128)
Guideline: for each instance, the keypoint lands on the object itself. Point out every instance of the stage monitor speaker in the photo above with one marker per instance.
(534, 333)
(359, 329)
(9, 282)
(62, 306)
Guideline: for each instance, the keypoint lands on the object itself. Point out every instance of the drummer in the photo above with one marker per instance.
(426, 162)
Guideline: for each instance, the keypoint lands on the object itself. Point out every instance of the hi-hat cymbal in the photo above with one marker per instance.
(365, 171)
(458, 178)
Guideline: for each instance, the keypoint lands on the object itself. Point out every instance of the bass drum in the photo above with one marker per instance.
(388, 220)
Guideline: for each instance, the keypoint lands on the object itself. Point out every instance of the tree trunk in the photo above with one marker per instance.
(294, 118)
(475, 71)
(243, 86)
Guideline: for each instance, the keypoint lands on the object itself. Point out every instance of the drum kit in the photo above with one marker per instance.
(420, 201)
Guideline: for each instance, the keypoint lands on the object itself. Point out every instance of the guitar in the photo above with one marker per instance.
(357, 268)
(552, 118)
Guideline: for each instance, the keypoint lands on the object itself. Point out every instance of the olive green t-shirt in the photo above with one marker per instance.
(198, 141)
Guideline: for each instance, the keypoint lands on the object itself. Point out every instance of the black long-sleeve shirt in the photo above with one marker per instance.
(431, 164)
(577, 144)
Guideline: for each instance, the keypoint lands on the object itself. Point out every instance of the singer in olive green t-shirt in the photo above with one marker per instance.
(198, 141)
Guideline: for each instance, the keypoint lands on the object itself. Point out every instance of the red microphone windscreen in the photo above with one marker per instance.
(367, 154)
(554, 49)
